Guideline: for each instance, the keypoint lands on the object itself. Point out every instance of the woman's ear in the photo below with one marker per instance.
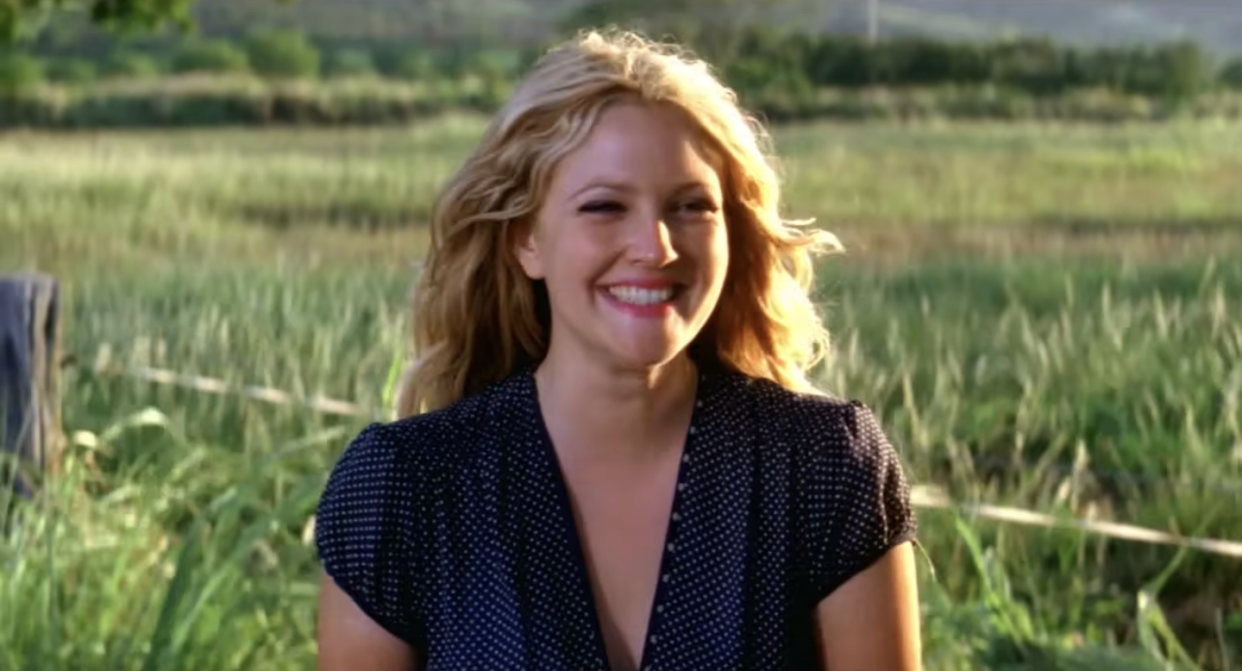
(525, 247)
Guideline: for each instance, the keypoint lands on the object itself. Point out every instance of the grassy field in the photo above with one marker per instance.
(1043, 316)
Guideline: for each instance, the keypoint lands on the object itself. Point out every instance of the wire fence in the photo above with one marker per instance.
(928, 497)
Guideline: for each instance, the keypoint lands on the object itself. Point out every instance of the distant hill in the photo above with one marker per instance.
(1215, 24)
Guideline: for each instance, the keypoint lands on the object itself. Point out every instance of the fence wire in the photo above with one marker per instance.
(928, 497)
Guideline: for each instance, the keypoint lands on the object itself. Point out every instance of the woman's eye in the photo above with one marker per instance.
(702, 206)
(693, 208)
(601, 207)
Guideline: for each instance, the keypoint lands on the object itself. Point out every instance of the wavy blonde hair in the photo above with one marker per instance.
(477, 317)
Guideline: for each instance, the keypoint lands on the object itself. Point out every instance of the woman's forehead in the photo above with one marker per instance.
(637, 146)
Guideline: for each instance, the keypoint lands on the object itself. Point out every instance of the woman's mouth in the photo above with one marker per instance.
(648, 300)
(641, 295)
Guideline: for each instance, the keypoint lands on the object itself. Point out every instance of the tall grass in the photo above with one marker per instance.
(890, 190)
(1102, 383)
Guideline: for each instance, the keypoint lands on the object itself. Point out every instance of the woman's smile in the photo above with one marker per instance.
(652, 298)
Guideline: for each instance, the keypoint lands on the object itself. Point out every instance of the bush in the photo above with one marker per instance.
(131, 65)
(195, 101)
(414, 65)
(781, 73)
(1231, 74)
(757, 60)
(72, 71)
(283, 55)
(210, 56)
(20, 73)
(350, 63)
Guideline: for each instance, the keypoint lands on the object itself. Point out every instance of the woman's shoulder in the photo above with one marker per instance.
(819, 421)
(425, 439)
(855, 491)
(371, 522)
(390, 466)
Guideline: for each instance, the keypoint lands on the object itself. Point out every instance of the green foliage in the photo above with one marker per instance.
(1034, 66)
(241, 100)
(349, 62)
(128, 64)
(23, 19)
(412, 65)
(283, 55)
(210, 56)
(760, 54)
(19, 74)
(1231, 74)
(72, 71)
(783, 74)
(139, 15)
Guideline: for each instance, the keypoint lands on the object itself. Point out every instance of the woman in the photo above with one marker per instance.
(609, 455)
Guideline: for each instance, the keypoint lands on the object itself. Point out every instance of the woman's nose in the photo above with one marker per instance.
(652, 241)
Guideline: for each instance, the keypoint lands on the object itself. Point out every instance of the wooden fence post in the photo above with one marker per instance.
(30, 432)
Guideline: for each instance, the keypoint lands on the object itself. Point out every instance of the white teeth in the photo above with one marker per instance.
(639, 296)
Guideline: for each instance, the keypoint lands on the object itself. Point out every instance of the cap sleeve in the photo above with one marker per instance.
(866, 500)
(363, 530)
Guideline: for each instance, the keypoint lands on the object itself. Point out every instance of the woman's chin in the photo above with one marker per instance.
(649, 354)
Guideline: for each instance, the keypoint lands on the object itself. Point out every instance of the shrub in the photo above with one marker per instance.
(1231, 74)
(350, 63)
(283, 55)
(123, 64)
(72, 71)
(19, 73)
(211, 56)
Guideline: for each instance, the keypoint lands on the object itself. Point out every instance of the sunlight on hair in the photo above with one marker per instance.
(477, 317)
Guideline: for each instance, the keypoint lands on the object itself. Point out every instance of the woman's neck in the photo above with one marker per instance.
(616, 416)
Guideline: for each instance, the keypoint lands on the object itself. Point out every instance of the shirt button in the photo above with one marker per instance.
(681, 486)
(676, 517)
(685, 458)
(664, 577)
(660, 608)
(693, 430)
(654, 638)
(671, 547)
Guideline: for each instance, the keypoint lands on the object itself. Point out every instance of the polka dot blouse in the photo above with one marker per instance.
(453, 531)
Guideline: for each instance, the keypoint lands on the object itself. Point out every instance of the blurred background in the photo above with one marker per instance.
(1041, 199)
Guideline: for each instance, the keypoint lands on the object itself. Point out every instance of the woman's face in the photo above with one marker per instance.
(630, 239)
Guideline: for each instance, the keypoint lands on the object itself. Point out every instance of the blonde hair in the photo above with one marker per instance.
(477, 317)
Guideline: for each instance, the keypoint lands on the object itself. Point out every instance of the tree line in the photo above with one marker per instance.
(780, 72)
(759, 57)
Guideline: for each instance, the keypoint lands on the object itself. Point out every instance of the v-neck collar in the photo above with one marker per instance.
(676, 518)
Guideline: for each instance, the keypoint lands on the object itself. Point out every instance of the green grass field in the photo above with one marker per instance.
(1042, 316)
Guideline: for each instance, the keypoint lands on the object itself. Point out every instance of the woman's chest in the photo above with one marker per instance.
(623, 520)
(706, 569)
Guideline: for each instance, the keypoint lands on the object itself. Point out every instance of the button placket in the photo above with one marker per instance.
(666, 578)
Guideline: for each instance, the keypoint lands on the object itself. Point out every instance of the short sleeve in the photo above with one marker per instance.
(867, 500)
(363, 529)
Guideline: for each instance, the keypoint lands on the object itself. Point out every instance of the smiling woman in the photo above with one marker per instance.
(630, 241)
(609, 455)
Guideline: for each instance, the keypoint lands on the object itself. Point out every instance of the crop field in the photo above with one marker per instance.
(1043, 316)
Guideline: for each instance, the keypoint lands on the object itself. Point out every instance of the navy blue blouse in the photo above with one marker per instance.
(453, 530)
